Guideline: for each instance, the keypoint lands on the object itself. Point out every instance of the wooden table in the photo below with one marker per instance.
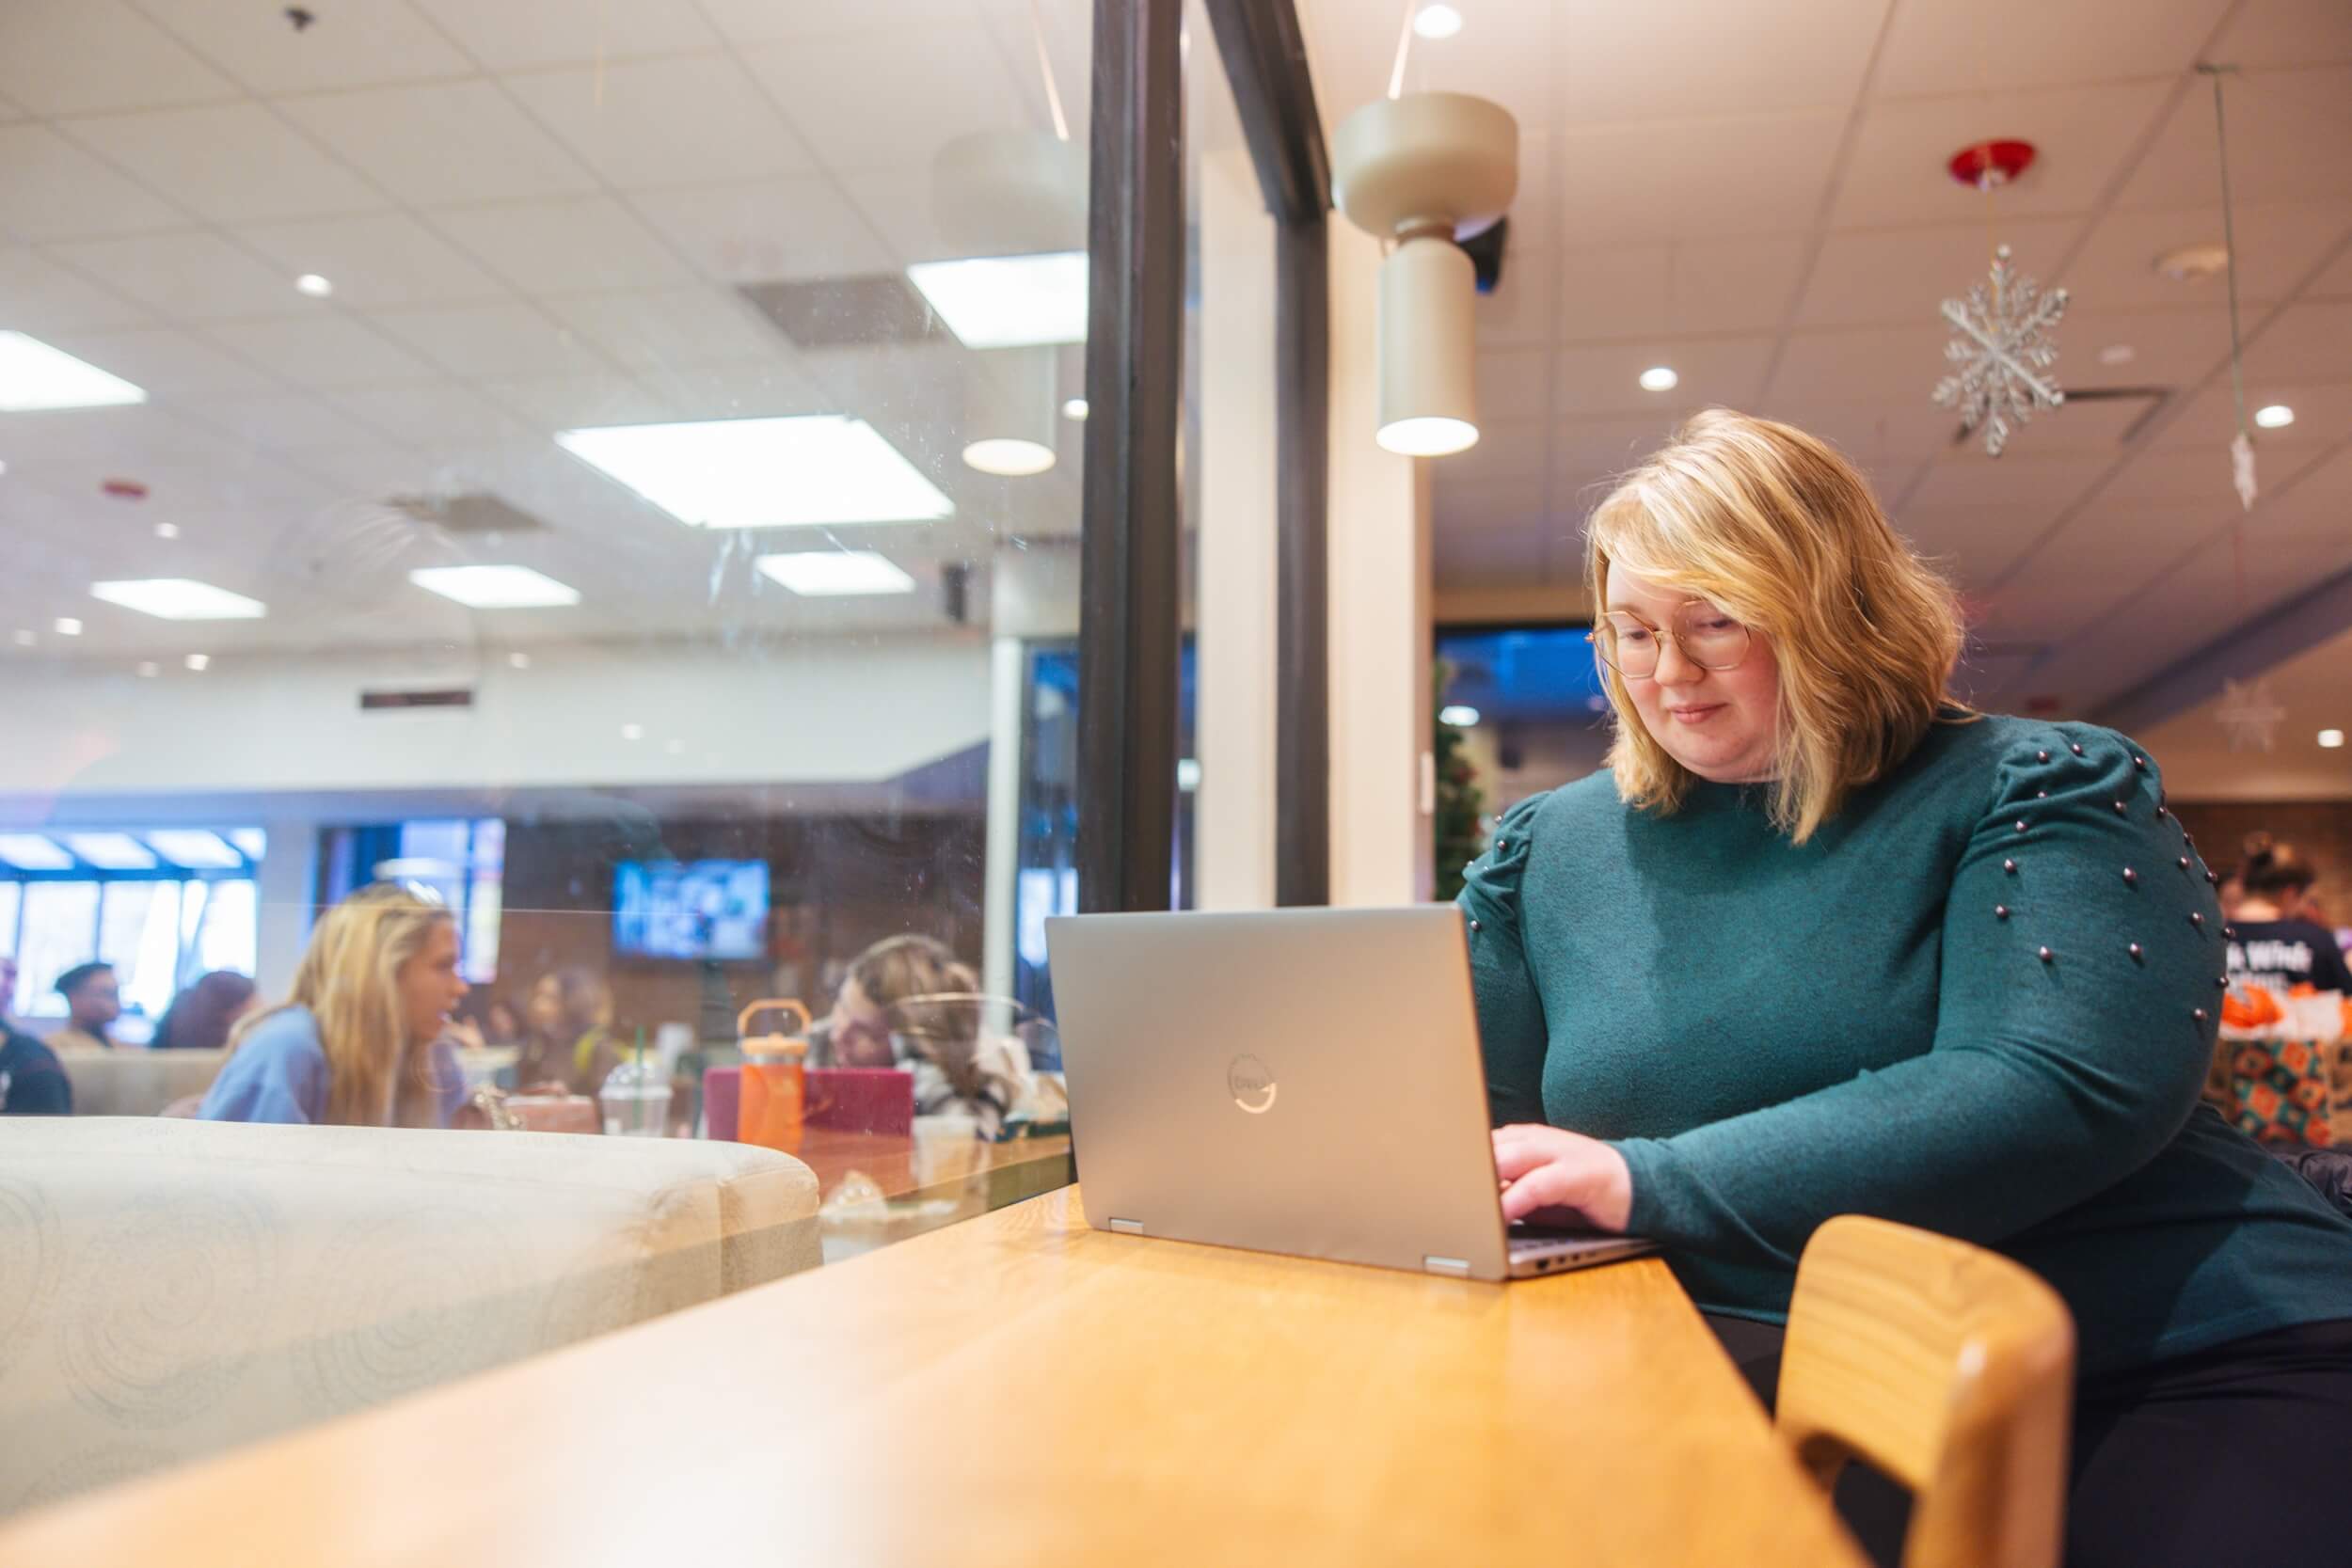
(1022, 1390)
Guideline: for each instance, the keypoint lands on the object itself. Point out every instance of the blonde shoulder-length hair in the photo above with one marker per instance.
(1776, 529)
(350, 981)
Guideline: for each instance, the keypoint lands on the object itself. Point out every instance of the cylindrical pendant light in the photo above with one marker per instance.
(1010, 423)
(1423, 340)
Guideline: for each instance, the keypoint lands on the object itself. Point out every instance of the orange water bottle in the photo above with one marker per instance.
(775, 1079)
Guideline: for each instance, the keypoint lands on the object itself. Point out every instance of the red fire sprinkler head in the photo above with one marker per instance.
(1986, 163)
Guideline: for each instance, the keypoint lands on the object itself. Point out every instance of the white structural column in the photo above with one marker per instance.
(1006, 697)
(1381, 723)
(285, 888)
(1236, 576)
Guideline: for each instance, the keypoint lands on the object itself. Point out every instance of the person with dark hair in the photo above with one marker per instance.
(568, 1036)
(200, 1017)
(93, 1001)
(32, 1080)
(908, 1002)
(2274, 944)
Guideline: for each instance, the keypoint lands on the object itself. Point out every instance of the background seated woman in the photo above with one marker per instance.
(1819, 941)
(908, 1003)
(360, 1041)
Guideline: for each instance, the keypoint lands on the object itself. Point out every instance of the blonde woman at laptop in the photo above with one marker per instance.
(1821, 940)
(362, 1040)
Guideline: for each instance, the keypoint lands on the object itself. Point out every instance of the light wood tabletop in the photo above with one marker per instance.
(1020, 1389)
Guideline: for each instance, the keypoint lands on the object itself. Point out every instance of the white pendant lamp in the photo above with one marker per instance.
(1419, 170)
(1011, 420)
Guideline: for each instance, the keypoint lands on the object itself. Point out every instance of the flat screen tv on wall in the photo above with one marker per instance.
(714, 911)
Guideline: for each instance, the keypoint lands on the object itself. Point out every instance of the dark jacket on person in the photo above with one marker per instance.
(32, 1080)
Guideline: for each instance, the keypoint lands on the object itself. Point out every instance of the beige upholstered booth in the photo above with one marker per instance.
(170, 1288)
(132, 1081)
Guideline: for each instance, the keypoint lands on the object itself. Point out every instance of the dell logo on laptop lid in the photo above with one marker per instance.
(1252, 1083)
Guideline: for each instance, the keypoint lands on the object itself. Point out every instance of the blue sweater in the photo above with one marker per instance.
(281, 1074)
(1772, 1035)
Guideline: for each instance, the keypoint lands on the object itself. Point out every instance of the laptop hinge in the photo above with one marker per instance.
(1457, 1267)
(1127, 1227)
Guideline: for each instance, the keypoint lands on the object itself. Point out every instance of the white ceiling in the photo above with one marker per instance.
(534, 214)
(1763, 206)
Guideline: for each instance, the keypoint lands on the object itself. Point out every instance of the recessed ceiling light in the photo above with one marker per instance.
(1007, 301)
(68, 627)
(2116, 354)
(1009, 456)
(1460, 715)
(813, 469)
(1659, 379)
(195, 847)
(179, 599)
(1437, 22)
(110, 852)
(313, 284)
(253, 843)
(34, 375)
(167, 530)
(495, 587)
(1071, 408)
(816, 572)
(632, 732)
(149, 668)
(2277, 416)
(198, 662)
(2331, 739)
(518, 661)
(1430, 436)
(25, 638)
(2191, 263)
(32, 852)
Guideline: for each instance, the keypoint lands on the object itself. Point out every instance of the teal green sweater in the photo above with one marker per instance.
(1772, 1035)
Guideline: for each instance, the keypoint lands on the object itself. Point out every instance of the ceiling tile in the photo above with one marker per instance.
(2103, 556)
(376, 259)
(2336, 282)
(689, 120)
(2182, 479)
(577, 246)
(117, 438)
(1587, 453)
(669, 327)
(516, 35)
(1725, 59)
(192, 274)
(2287, 33)
(2036, 487)
(441, 415)
(43, 297)
(1604, 379)
(1712, 178)
(2308, 342)
(1513, 448)
(325, 349)
(1899, 276)
(51, 189)
(571, 402)
(1896, 173)
(1468, 554)
(230, 163)
(2277, 243)
(1519, 307)
(1654, 292)
(776, 231)
(170, 364)
(491, 340)
(370, 470)
(85, 56)
(2323, 416)
(1888, 440)
(2168, 348)
(443, 144)
(834, 92)
(1517, 380)
(1534, 209)
(1975, 545)
(2316, 509)
(383, 41)
(1893, 367)
(743, 393)
(2290, 140)
(282, 422)
(764, 22)
(1956, 46)
(899, 205)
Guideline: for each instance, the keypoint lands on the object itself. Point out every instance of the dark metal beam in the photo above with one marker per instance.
(1266, 61)
(1128, 563)
(1302, 665)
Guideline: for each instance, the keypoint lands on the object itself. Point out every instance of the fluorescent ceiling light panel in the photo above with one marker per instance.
(1008, 301)
(111, 851)
(837, 572)
(32, 852)
(180, 599)
(34, 375)
(807, 470)
(194, 846)
(495, 587)
(254, 842)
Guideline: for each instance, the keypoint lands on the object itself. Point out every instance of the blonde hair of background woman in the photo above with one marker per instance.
(1774, 528)
(349, 979)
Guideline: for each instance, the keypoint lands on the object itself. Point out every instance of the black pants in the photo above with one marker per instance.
(2233, 1455)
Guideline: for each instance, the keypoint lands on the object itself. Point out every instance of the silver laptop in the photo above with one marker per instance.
(1297, 1081)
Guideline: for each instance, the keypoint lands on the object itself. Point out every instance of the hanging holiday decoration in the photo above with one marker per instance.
(2242, 443)
(2250, 714)
(2004, 353)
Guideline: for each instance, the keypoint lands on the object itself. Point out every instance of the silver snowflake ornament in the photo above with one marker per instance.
(2250, 714)
(2004, 353)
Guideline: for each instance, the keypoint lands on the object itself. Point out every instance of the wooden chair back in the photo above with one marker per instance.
(1949, 1368)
